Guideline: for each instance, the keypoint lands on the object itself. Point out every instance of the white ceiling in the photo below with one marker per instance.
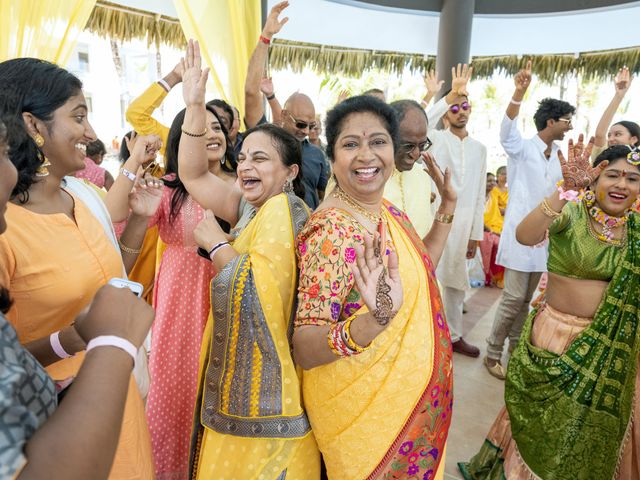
(329, 23)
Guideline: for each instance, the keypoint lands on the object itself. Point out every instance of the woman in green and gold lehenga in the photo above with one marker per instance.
(572, 380)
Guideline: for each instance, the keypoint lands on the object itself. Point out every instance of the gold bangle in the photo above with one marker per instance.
(196, 135)
(548, 211)
(444, 217)
(125, 249)
(349, 339)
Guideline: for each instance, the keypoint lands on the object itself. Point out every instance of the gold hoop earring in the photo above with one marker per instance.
(39, 139)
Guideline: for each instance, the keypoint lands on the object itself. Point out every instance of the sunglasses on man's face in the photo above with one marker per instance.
(300, 125)
(463, 106)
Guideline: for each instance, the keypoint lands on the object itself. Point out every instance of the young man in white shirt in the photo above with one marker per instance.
(467, 160)
(533, 169)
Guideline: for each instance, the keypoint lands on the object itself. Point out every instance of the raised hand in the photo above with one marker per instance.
(145, 196)
(448, 194)
(576, 169)
(432, 83)
(273, 24)
(266, 86)
(143, 148)
(379, 286)
(622, 81)
(460, 77)
(194, 78)
(523, 78)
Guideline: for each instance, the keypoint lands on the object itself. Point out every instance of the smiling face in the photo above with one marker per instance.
(216, 143)
(8, 179)
(261, 172)
(617, 187)
(619, 135)
(413, 134)
(299, 116)
(66, 136)
(560, 127)
(363, 157)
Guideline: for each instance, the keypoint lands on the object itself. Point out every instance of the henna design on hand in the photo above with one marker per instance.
(384, 304)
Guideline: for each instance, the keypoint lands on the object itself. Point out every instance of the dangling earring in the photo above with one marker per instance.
(39, 139)
(42, 170)
(223, 160)
(635, 206)
(288, 186)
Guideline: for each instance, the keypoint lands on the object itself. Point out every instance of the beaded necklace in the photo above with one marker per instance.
(607, 222)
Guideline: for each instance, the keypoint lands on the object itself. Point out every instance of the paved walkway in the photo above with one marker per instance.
(477, 395)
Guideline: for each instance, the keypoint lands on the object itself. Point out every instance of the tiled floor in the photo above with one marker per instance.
(477, 395)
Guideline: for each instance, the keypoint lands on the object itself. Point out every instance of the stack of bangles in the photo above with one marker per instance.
(548, 211)
(340, 340)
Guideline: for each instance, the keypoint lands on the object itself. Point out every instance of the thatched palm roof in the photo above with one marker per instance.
(125, 23)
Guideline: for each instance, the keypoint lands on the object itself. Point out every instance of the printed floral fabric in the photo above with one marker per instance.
(326, 247)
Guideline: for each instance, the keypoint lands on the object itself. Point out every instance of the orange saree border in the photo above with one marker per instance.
(419, 447)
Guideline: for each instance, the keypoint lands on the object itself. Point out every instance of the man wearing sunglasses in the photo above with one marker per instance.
(299, 118)
(533, 169)
(466, 158)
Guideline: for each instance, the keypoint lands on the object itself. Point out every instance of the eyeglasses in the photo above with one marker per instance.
(300, 125)
(422, 146)
(456, 108)
(565, 120)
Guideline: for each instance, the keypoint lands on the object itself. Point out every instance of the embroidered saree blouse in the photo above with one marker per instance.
(326, 247)
(574, 252)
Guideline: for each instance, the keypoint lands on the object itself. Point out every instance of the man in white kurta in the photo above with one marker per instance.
(466, 158)
(533, 169)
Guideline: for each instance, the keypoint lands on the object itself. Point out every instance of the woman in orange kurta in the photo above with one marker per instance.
(57, 251)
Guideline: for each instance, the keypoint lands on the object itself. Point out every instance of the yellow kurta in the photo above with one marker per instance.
(53, 268)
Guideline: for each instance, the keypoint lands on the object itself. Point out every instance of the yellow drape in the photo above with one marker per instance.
(228, 32)
(46, 29)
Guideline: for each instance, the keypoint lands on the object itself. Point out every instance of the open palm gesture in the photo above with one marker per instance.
(380, 286)
(145, 196)
(273, 24)
(442, 180)
(194, 78)
(432, 83)
(460, 77)
(576, 169)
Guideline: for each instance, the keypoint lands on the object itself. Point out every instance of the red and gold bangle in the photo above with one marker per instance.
(346, 331)
(265, 40)
(336, 342)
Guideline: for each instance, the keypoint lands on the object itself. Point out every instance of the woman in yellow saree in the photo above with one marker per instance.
(370, 330)
(249, 420)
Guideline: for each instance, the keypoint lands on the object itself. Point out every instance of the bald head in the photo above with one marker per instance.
(298, 112)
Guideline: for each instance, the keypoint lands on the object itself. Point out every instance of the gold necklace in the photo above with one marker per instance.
(349, 200)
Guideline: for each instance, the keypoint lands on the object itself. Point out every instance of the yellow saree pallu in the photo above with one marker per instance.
(249, 422)
(386, 413)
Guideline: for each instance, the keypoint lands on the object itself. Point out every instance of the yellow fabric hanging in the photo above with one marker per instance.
(228, 32)
(46, 29)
